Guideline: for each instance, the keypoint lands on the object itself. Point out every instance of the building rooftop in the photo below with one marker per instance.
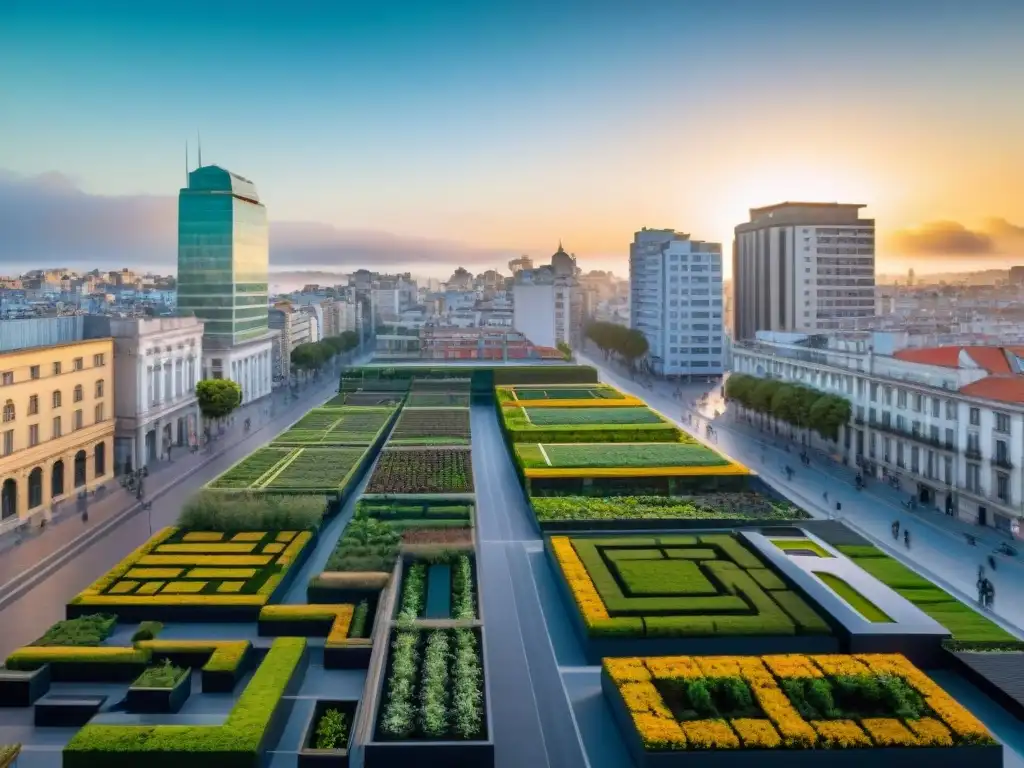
(213, 178)
(995, 360)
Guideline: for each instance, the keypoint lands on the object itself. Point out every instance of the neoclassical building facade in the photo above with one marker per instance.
(57, 430)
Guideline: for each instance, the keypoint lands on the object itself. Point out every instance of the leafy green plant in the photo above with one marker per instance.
(433, 423)
(721, 506)
(229, 513)
(463, 603)
(399, 718)
(367, 545)
(83, 631)
(359, 618)
(434, 694)
(217, 398)
(426, 470)
(250, 469)
(163, 675)
(147, 631)
(322, 470)
(332, 730)
(467, 689)
(413, 592)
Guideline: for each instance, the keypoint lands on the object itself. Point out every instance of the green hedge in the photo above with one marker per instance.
(237, 743)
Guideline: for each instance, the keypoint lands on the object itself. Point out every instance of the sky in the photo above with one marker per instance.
(423, 135)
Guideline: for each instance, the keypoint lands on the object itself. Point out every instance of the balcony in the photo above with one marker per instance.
(973, 454)
(1003, 462)
(917, 437)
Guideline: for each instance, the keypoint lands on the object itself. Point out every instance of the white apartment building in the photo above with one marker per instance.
(803, 267)
(341, 316)
(541, 306)
(157, 364)
(947, 421)
(676, 301)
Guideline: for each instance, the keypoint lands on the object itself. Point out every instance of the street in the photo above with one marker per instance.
(938, 549)
(29, 614)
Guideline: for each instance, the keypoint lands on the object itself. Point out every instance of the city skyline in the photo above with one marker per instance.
(420, 140)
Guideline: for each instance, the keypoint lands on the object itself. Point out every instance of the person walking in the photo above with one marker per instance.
(896, 530)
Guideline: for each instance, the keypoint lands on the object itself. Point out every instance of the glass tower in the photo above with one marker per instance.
(223, 255)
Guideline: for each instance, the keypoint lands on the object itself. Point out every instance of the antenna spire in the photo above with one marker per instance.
(199, 140)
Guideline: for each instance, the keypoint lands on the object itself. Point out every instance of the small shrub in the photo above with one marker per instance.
(228, 513)
(332, 730)
(359, 618)
(164, 675)
(83, 631)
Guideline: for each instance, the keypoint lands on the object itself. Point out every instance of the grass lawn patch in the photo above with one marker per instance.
(797, 545)
(591, 416)
(853, 598)
(615, 455)
(316, 470)
(720, 506)
(964, 623)
(663, 577)
(248, 472)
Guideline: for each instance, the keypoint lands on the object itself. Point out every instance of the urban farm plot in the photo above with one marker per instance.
(205, 571)
(441, 386)
(437, 400)
(618, 455)
(550, 417)
(703, 586)
(249, 471)
(367, 399)
(792, 704)
(316, 470)
(431, 426)
(336, 426)
(423, 470)
(596, 392)
(719, 506)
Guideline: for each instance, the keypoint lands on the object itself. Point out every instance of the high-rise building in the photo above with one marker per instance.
(223, 261)
(676, 301)
(803, 267)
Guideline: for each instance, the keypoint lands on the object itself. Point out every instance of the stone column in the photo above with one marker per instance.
(140, 448)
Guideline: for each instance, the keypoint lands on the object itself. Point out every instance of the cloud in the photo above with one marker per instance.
(49, 220)
(951, 238)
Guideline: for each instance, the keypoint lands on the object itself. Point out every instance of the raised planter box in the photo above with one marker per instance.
(159, 700)
(66, 711)
(597, 648)
(353, 654)
(1000, 676)
(309, 755)
(22, 689)
(932, 757)
(295, 627)
(676, 524)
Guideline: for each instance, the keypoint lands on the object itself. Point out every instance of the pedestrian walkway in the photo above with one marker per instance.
(28, 547)
(938, 547)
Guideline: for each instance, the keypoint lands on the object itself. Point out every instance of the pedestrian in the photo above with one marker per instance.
(824, 495)
(990, 595)
(896, 529)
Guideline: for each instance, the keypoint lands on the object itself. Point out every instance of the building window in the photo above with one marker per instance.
(78, 419)
(901, 398)
(951, 410)
(99, 412)
(7, 378)
(56, 427)
(917, 404)
(99, 360)
(33, 435)
(973, 477)
(1003, 487)
(899, 455)
(915, 456)
(8, 442)
(100, 460)
(79, 363)
(57, 479)
(948, 461)
(33, 372)
(935, 407)
(9, 411)
(1003, 422)
(33, 405)
(950, 438)
(35, 488)
(99, 388)
(56, 398)
(78, 394)
(975, 417)
(80, 469)
(56, 369)
(1002, 452)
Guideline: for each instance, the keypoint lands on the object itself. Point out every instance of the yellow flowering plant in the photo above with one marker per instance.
(627, 670)
(587, 598)
(888, 732)
(930, 732)
(840, 734)
(710, 734)
(756, 734)
(790, 665)
(208, 548)
(202, 536)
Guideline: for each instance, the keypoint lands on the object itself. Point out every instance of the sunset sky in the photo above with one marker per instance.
(432, 133)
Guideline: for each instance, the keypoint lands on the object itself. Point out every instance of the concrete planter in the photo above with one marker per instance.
(309, 755)
(353, 654)
(159, 700)
(22, 689)
(66, 711)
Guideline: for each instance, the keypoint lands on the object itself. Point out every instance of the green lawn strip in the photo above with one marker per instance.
(766, 579)
(853, 598)
(964, 623)
(679, 626)
(550, 417)
(788, 545)
(627, 455)
(677, 541)
(633, 554)
(664, 577)
(806, 618)
(733, 550)
(235, 743)
(530, 455)
(691, 554)
(732, 506)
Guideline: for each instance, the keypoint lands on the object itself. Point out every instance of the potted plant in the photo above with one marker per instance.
(328, 735)
(162, 688)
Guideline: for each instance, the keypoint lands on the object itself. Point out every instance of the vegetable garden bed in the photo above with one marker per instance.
(438, 588)
(316, 470)
(438, 426)
(781, 711)
(248, 472)
(597, 392)
(545, 417)
(432, 706)
(422, 470)
(415, 510)
(616, 455)
(437, 400)
(336, 426)
(682, 594)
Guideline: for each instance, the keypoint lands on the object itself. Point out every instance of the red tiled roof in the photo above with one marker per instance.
(1005, 389)
(992, 359)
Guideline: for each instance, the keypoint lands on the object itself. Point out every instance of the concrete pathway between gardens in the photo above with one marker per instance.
(21, 551)
(938, 548)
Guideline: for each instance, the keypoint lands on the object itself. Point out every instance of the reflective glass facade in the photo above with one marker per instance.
(223, 255)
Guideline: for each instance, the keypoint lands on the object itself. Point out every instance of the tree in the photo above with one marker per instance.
(217, 398)
(309, 356)
(633, 346)
(565, 349)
